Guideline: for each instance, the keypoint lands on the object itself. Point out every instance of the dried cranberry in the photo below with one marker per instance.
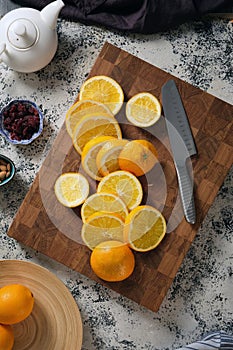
(21, 120)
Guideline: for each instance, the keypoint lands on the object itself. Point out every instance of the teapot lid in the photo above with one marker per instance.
(22, 33)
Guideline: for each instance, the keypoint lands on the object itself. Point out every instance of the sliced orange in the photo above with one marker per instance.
(138, 157)
(89, 154)
(100, 227)
(143, 109)
(103, 202)
(145, 227)
(124, 185)
(107, 157)
(91, 126)
(103, 89)
(112, 261)
(81, 109)
(71, 189)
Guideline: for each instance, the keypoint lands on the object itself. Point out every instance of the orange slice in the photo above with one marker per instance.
(89, 154)
(145, 227)
(71, 189)
(91, 126)
(143, 109)
(103, 202)
(81, 109)
(100, 227)
(124, 185)
(107, 157)
(105, 90)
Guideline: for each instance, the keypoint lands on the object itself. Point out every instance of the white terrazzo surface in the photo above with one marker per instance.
(201, 298)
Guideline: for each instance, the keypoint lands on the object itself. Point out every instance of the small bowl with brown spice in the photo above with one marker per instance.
(21, 122)
(7, 170)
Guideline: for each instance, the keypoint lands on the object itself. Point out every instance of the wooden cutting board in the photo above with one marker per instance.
(48, 227)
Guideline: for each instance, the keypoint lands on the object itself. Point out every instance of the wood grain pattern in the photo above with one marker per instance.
(45, 225)
(55, 321)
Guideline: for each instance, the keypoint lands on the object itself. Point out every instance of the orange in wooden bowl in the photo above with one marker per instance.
(138, 157)
(16, 303)
(6, 337)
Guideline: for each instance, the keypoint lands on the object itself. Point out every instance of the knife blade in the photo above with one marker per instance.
(182, 145)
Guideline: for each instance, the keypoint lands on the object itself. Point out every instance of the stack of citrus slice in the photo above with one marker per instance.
(82, 108)
(92, 126)
(114, 221)
(89, 155)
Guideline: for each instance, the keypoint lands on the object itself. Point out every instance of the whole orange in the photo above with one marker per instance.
(6, 337)
(16, 303)
(138, 157)
(112, 261)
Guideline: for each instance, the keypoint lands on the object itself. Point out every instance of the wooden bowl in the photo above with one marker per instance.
(55, 321)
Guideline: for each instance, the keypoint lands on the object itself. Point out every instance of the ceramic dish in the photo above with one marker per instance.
(7, 134)
(55, 322)
(6, 160)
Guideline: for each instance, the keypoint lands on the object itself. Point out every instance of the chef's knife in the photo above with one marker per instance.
(182, 144)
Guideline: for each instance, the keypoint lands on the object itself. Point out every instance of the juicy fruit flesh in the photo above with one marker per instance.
(145, 228)
(124, 185)
(91, 127)
(71, 189)
(103, 202)
(105, 90)
(101, 227)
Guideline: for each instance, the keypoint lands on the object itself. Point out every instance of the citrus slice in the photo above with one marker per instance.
(124, 185)
(103, 202)
(89, 154)
(107, 157)
(101, 227)
(145, 227)
(143, 109)
(71, 189)
(91, 126)
(80, 109)
(103, 89)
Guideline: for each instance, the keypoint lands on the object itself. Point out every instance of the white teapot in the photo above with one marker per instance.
(28, 37)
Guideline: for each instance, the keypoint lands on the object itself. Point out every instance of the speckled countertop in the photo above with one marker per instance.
(200, 299)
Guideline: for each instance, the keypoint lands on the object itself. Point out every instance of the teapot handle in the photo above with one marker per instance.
(2, 49)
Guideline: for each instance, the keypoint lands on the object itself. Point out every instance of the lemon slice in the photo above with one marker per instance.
(89, 154)
(80, 109)
(143, 109)
(124, 185)
(71, 189)
(103, 89)
(91, 126)
(145, 227)
(103, 202)
(107, 157)
(101, 227)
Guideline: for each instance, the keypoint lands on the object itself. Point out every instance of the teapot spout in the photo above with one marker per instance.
(49, 13)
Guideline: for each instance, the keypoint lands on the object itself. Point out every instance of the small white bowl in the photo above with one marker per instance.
(8, 134)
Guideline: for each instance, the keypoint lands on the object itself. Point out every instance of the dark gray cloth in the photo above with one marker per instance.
(139, 16)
